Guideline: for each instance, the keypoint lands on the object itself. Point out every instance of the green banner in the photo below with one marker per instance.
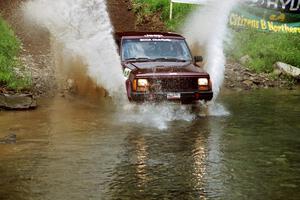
(263, 17)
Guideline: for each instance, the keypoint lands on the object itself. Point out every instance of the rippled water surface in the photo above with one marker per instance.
(74, 149)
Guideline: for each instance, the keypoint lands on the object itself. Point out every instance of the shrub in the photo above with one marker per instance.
(9, 50)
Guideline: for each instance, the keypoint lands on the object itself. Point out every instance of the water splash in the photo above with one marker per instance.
(207, 27)
(156, 115)
(160, 115)
(217, 110)
(84, 29)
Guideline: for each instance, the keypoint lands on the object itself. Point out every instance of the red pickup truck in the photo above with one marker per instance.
(159, 66)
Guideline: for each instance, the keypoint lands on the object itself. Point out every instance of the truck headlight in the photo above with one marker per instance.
(142, 83)
(203, 82)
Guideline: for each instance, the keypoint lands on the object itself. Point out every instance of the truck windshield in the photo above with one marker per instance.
(155, 49)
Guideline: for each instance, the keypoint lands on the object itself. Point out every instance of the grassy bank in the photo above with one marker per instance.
(148, 7)
(9, 50)
(264, 48)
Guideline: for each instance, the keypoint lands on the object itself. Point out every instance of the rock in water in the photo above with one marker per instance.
(288, 69)
(10, 139)
(17, 101)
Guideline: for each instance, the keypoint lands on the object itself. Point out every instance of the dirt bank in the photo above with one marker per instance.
(124, 18)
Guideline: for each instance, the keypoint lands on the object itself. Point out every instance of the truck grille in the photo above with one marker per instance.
(174, 84)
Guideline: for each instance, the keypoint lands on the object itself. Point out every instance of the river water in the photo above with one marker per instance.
(77, 149)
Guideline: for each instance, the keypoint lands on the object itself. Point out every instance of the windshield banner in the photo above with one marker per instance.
(268, 15)
(190, 1)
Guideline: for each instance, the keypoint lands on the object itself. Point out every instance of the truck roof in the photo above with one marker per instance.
(120, 35)
(145, 34)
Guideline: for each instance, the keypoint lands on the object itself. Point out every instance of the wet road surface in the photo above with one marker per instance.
(75, 149)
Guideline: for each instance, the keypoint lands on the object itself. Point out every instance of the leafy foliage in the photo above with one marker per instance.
(9, 50)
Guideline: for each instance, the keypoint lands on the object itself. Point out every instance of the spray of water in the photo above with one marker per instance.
(207, 27)
(82, 30)
(85, 31)
(156, 115)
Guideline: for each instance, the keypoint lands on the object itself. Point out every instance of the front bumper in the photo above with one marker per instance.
(163, 96)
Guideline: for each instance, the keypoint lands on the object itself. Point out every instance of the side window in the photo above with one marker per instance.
(125, 52)
(185, 53)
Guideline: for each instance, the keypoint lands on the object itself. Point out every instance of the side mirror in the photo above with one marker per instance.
(198, 59)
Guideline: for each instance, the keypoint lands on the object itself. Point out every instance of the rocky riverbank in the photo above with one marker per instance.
(239, 77)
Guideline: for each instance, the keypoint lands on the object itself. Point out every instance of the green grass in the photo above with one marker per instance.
(265, 49)
(149, 7)
(9, 50)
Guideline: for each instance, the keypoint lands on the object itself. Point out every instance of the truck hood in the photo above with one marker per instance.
(163, 68)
